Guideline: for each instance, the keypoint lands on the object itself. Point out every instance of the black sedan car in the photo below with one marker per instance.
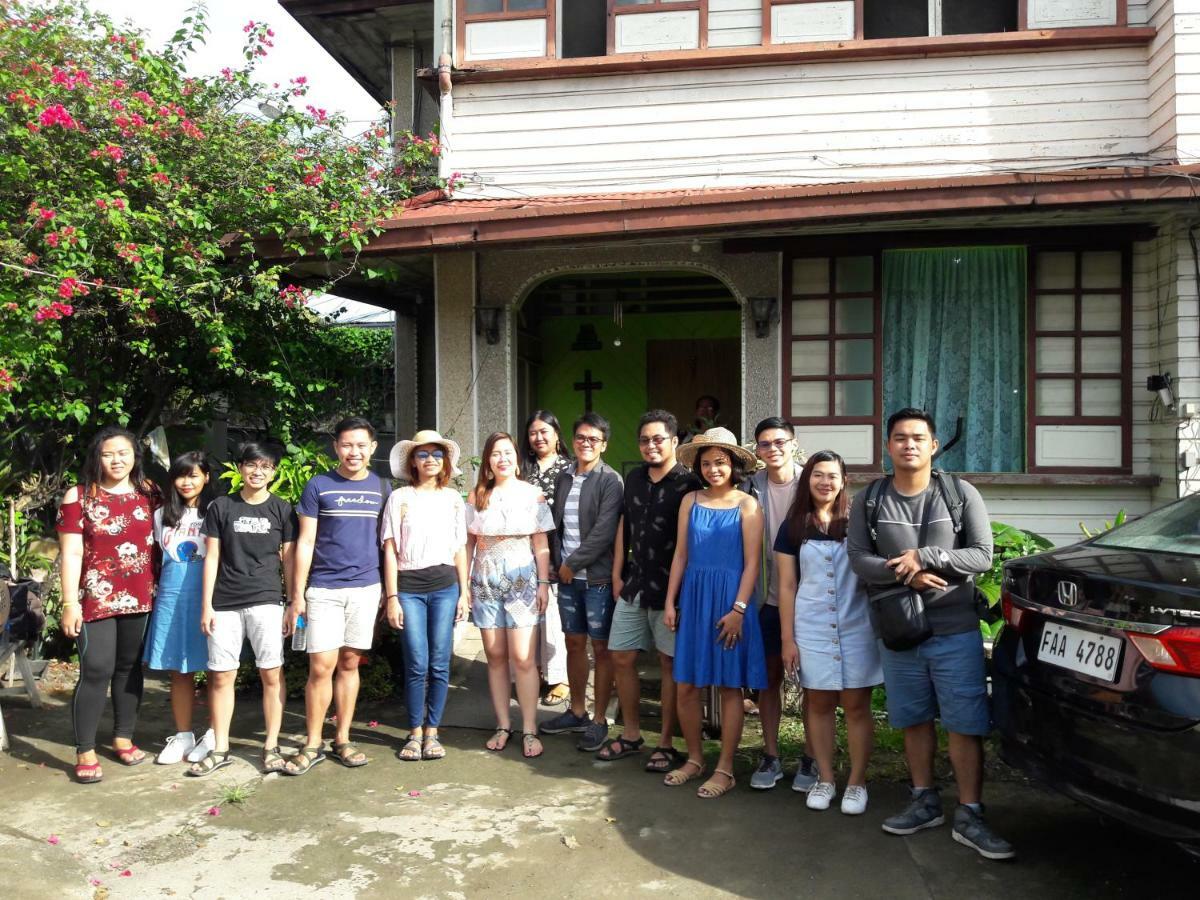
(1096, 676)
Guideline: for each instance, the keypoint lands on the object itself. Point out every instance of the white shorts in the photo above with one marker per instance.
(262, 625)
(340, 617)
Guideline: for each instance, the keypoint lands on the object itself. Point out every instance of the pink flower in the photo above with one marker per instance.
(372, 724)
(52, 239)
(126, 874)
(115, 153)
(118, 83)
(315, 175)
(160, 178)
(144, 97)
(53, 839)
(95, 882)
(414, 793)
(57, 115)
(270, 189)
(117, 203)
(68, 288)
(101, 202)
(214, 810)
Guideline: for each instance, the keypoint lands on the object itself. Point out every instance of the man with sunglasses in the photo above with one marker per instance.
(337, 587)
(774, 486)
(587, 507)
(649, 528)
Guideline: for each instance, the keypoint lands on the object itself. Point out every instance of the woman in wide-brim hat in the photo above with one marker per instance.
(715, 437)
(425, 575)
(711, 590)
(400, 453)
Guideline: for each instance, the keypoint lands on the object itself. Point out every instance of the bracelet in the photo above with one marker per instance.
(72, 604)
(739, 611)
(390, 596)
(544, 581)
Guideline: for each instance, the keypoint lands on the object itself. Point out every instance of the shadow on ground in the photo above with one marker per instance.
(564, 825)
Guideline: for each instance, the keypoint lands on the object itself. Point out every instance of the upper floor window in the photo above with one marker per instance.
(568, 29)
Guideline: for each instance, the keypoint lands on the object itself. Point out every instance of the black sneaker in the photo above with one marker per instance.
(925, 811)
(972, 831)
(565, 722)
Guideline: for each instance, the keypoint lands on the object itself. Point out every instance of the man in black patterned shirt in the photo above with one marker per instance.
(653, 494)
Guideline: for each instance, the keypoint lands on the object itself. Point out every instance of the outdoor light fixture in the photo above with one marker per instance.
(1161, 385)
(764, 311)
(487, 322)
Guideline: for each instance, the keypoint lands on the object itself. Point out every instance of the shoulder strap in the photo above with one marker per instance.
(874, 502)
(951, 488)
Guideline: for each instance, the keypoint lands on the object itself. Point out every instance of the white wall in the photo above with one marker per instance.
(820, 122)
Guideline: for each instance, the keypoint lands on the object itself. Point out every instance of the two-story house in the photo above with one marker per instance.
(825, 209)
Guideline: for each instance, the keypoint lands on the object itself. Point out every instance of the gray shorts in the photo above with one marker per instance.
(261, 625)
(635, 627)
(340, 617)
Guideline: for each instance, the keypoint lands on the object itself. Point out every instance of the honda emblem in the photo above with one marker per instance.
(1068, 593)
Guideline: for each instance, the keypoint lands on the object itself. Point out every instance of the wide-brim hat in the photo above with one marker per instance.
(714, 437)
(400, 453)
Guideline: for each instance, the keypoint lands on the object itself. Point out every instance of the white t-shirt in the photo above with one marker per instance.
(184, 541)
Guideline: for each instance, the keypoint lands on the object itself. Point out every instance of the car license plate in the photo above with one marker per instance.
(1098, 655)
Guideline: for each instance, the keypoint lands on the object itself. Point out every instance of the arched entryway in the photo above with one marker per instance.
(624, 342)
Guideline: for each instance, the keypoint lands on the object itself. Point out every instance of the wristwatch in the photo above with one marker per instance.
(740, 606)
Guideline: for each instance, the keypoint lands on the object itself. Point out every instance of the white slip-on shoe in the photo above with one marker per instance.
(178, 746)
(854, 800)
(821, 795)
(207, 744)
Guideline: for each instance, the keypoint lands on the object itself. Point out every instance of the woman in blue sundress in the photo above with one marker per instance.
(713, 576)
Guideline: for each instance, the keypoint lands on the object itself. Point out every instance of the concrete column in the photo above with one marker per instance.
(457, 401)
(405, 349)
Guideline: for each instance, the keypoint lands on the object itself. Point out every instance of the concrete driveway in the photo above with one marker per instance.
(480, 823)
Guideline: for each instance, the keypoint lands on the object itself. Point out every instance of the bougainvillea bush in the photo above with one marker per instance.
(148, 218)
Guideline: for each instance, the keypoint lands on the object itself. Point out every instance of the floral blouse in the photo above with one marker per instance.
(547, 479)
(118, 551)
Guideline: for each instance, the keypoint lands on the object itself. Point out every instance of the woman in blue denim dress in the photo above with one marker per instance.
(830, 645)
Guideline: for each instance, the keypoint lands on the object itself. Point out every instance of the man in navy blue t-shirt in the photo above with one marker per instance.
(336, 586)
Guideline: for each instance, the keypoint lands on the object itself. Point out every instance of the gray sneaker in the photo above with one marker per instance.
(973, 832)
(594, 736)
(768, 774)
(564, 722)
(925, 811)
(806, 775)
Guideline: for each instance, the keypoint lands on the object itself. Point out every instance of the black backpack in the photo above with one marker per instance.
(948, 484)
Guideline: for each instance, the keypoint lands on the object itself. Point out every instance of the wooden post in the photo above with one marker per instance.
(12, 540)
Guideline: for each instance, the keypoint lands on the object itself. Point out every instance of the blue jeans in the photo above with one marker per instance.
(428, 641)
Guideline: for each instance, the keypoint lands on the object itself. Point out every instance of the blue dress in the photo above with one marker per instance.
(710, 585)
(174, 641)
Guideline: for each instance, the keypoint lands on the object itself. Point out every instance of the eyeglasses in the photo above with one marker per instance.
(423, 455)
(258, 467)
(777, 444)
(656, 439)
(588, 440)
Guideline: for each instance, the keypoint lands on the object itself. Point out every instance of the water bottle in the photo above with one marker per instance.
(299, 639)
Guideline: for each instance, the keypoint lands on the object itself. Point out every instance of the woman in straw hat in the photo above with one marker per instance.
(507, 523)
(424, 536)
(713, 576)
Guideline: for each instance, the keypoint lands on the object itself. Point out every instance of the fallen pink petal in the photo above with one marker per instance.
(414, 793)
(53, 839)
(372, 724)
(126, 874)
(95, 882)
(214, 810)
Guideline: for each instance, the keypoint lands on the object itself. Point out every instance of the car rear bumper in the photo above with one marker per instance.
(1148, 779)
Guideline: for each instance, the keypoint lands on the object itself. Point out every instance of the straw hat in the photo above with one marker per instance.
(715, 437)
(399, 455)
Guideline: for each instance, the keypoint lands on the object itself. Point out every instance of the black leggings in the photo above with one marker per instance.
(110, 653)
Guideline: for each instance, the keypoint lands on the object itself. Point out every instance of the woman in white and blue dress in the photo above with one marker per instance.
(831, 646)
(175, 642)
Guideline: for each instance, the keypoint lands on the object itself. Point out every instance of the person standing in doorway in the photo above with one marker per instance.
(936, 544)
(544, 457)
(337, 587)
(249, 537)
(649, 528)
(774, 487)
(587, 509)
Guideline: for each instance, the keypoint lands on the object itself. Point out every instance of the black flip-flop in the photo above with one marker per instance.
(619, 748)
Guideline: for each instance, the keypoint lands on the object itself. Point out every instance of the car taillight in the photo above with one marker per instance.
(1175, 650)
(1012, 613)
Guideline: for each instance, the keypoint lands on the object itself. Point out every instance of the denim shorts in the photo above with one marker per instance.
(586, 609)
(942, 678)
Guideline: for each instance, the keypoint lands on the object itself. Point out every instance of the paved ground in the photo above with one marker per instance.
(480, 823)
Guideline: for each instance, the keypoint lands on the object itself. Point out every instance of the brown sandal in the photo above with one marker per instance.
(710, 790)
(499, 739)
(679, 776)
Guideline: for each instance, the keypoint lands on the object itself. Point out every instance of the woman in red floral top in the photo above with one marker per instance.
(106, 536)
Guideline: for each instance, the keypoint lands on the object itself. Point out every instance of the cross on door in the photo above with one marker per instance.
(587, 386)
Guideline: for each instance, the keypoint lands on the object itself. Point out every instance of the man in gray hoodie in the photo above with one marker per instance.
(922, 541)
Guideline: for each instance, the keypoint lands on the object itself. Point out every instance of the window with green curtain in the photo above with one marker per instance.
(954, 344)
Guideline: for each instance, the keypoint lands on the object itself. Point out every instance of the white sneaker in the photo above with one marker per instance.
(178, 745)
(821, 795)
(207, 744)
(854, 801)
